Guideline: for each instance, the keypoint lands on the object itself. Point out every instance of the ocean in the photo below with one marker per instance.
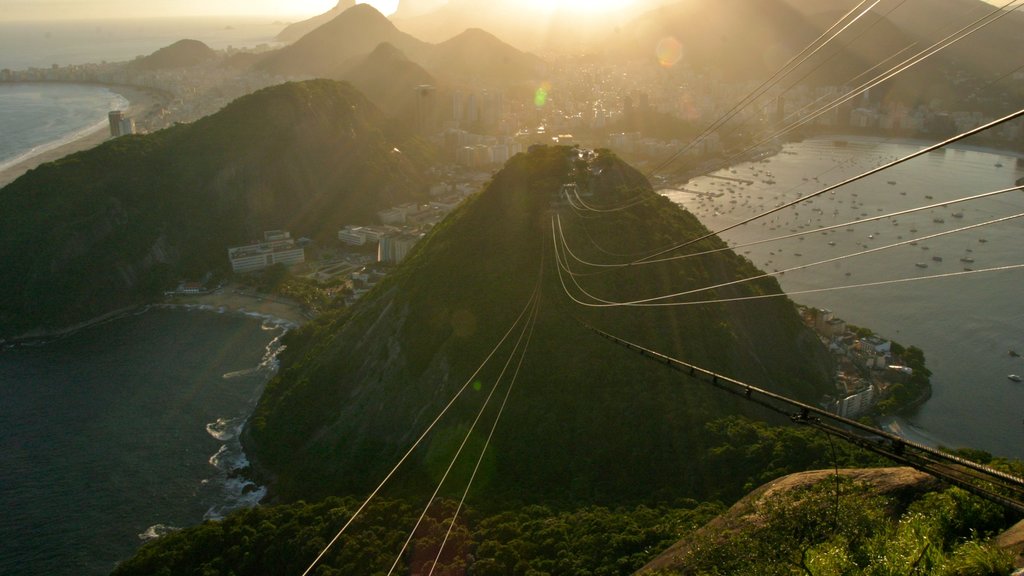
(122, 431)
(966, 325)
(45, 43)
(38, 117)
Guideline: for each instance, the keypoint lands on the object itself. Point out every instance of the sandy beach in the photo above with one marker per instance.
(141, 103)
(233, 298)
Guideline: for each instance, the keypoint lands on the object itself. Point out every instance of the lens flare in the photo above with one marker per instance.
(540, 97)
(669, 51)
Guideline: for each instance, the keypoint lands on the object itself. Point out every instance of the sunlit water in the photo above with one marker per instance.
(41, 44)
(965, 325)
(123, 431)
(39, 117)
(36, 117)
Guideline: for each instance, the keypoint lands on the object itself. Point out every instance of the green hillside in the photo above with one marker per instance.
(114, 225)
(588, 421)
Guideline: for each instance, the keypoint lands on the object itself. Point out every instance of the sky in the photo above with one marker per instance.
(107, 9)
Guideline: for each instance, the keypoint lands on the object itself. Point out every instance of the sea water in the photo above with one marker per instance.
(42, 44)
(124, 431)
(39, 117)
(965, 324)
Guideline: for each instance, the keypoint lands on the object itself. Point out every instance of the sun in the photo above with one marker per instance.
(591, 6)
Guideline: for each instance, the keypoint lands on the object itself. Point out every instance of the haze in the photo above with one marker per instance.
(106, 9)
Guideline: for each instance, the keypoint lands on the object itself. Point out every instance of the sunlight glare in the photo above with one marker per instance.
(314, 7)
(578, 5)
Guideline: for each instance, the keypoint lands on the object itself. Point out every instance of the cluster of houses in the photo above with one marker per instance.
(866, 366)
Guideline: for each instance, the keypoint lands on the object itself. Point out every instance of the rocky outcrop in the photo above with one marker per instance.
(902, 483)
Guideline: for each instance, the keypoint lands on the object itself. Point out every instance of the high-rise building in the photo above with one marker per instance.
(120, 125)
(426, 101)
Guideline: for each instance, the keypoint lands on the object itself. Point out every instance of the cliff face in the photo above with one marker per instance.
(114, 225)
(587, 420)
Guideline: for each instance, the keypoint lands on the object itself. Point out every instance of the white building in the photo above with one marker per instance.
(352, 235)
(277, 247)
(856, 404)
(394, 248)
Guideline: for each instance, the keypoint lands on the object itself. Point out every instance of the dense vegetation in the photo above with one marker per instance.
(115, 225)
(605, 426)
(530, 540)
(815, 531)
(867, 533)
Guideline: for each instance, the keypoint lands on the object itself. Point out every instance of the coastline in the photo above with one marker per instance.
(142, 102)
(232, 298)
(228, 299)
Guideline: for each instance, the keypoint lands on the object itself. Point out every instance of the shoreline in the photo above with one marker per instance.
(232, 298)
(228, 299)
(917, 142)
(141, 103)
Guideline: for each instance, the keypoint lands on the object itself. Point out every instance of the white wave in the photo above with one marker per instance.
(225, 429)
(156, 531)
(240, 373)
(238, 494)
(53, 145)
(218, 459)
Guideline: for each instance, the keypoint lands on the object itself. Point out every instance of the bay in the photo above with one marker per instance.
(123, 431)
(34, 117)
(966, 324)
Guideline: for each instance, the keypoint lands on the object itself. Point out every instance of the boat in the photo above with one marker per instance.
(892, 182)
(957, 214)
(937, 258)
(928, 196)
(999, 164)
(1014, 377)
(967, 259)
(938, 221)
(921, 265)
(1014, 354)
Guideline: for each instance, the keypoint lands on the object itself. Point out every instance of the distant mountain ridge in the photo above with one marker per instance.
(115, 225)
(297, 30)
(181, 54)
(472, 56)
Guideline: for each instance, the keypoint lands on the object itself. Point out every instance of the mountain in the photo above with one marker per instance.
(181, 54)
(115, 225)
(588, 421)
(476, 55)
(293, 32)
(389, 78)
(738, 39)
(354, 33)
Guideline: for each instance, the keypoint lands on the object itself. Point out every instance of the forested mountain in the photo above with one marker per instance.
(354, 33)
(112, 226)
(297, 30)
(588, 421)
(181, 54)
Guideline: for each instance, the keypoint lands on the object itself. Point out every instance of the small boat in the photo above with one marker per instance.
(967, 259)
(928, 196)
(957, 214)
(937, 258)
(1014, 354)
(1014, 377)
(938, 221)
(892, 182)
(999, 164)
(921, 265)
